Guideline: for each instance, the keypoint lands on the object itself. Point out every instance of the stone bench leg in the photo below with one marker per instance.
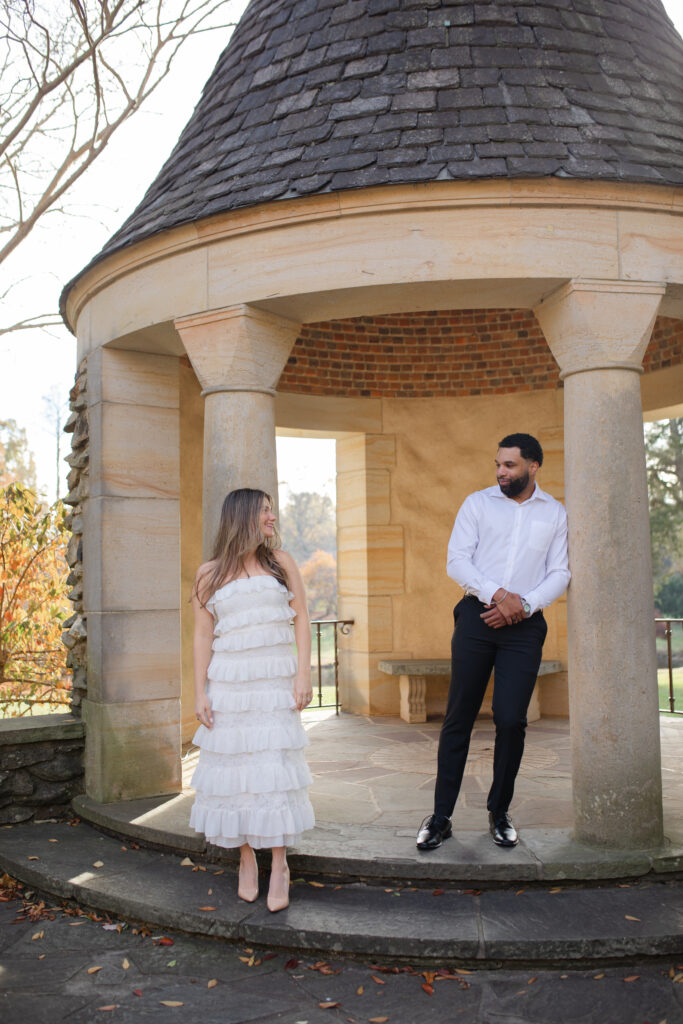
(413, 698)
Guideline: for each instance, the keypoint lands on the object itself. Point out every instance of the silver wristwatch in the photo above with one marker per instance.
(527, 607)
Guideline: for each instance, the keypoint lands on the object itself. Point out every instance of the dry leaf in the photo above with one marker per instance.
(328, 1006)
(598, 977)
(212, 983)
(519, 892)
(98, 864)
(378, 981)
(291, 963)
(245, 959)
(186, 863)
(317, 885)
(678, 978)
(33, 858)
(53, 840)
(222, 870)
(429, 989)
(378, 1020)
(114, 1006)
(531, 981)
(42, 956)
(137, 991)
(461, 970)
(38, 935)
(632, 977)
(360, 990)
(429, 976)
(94, 970)
(438, 892)
(165, 941)
(207, 908)
(557, 888)
(209, 892)
(126, 963)
(629, 918)
(170, 1002)
(76, 924)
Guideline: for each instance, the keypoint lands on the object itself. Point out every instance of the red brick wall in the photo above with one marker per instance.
(442, 354)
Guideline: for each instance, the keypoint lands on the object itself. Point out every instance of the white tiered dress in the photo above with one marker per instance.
(251, 780)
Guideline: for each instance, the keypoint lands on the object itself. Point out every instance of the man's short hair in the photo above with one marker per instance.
(529, 448)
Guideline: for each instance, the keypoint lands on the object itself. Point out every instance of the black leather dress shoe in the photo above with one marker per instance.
(433, 831)
(503, 831)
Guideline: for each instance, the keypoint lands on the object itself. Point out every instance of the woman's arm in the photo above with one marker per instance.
(303, 692)
(203, 640)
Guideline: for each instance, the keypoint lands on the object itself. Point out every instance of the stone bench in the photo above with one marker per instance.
(413, 675)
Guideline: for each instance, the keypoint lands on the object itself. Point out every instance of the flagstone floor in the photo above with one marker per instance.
(381, 771)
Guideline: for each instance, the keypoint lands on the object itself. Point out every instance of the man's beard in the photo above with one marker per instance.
(515, 487)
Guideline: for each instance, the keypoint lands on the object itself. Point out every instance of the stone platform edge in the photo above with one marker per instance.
(364, 852)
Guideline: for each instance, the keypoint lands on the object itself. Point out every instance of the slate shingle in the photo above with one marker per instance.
(312, 96)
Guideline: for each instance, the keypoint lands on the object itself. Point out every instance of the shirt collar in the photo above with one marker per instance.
(538, 494)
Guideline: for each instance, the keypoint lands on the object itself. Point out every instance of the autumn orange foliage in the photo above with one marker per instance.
(33, 603)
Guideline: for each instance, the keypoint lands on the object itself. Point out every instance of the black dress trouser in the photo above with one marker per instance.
(515, 654)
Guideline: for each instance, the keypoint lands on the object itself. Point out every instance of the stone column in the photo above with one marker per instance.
(598, 332)
(238, 354)
(131, 577)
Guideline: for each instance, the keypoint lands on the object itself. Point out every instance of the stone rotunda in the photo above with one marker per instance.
(412, 226)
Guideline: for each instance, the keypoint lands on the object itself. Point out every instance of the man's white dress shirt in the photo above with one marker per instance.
(521, 547)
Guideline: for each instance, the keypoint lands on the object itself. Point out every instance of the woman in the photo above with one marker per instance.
(252, 774)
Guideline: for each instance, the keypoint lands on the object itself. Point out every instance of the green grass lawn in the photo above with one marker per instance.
(663, 680)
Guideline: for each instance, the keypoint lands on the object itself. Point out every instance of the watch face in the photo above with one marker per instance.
(527, 607)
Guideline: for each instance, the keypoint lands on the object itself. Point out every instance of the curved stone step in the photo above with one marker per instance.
(358, 852)
(543, 926)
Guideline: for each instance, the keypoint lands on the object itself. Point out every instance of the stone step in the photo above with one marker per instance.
(541, 926)
(360, 852)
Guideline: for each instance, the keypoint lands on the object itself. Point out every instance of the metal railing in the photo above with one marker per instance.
(325, 651)
(668, 633)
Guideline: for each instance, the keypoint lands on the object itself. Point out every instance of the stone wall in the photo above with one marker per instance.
(41, 767)
(74, 636)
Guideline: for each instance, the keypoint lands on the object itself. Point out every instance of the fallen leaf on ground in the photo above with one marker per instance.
(629, 918)
(114, 1006)
(94, 970)
(170, 1002)
(378, 1020)
(557, 888)
(186, 863)
(76, 924)
(360, 990)
(317, 885)
(33, 858)
(212, 983)
(531, 981)
(438, 892)
(678, 978)
(292, 963)
(207, 908)
(53, 840)
(222, 870)
(209, 892)
(42, 956)
(519, 892)
(429, 989)
(378, 981)
(171, 963)
(429, 976)
(38, 935)
(165, 941)
(245, 959)
(137, 991)
(328, 1006)
(598, 977)
(126, 963)
(632, 977)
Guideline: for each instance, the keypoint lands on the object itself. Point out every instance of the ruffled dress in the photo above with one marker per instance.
(252, 777)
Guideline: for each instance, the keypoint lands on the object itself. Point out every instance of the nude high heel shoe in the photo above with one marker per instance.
(247, 887)
(280, 900)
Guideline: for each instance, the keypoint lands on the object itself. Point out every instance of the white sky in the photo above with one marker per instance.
(33, 362)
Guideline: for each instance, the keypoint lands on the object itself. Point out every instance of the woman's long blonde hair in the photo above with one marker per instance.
(239, 534)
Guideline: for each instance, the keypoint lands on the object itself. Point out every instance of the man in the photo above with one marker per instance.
(508, 550)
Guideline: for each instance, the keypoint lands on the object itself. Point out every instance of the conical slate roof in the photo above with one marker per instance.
(314, 96)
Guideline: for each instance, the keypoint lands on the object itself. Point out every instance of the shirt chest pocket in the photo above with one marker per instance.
(540, 535)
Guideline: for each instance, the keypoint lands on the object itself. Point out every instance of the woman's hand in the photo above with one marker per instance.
(303, 692)
(202, 707)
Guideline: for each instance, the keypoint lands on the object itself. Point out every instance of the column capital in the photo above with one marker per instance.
(237, 348)
(599, 324)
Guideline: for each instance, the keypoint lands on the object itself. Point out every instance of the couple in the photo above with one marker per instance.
(508, 550)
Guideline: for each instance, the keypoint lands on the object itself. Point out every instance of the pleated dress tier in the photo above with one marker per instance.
(252, 777)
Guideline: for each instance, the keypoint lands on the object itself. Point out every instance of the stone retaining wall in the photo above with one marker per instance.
(74, 636)
(41, 767)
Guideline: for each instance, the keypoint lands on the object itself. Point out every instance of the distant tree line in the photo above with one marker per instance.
(309, 533)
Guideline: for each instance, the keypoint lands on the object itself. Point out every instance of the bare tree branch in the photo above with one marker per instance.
(74, 71)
